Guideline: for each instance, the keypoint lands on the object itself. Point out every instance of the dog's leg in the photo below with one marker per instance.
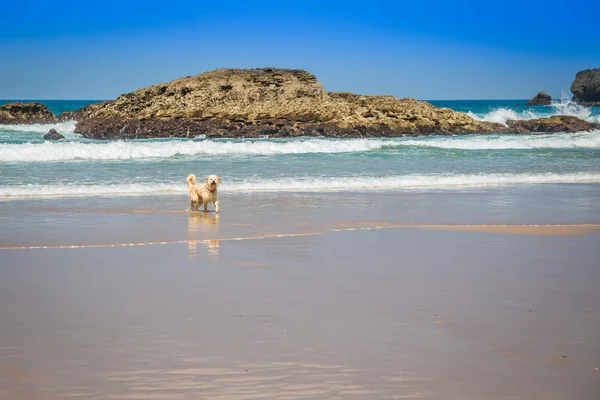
(216, 203)
(191, 205)
(205, 206)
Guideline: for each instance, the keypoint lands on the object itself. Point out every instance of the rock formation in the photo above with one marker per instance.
(586, 87)
(53, 135)
(25, 113)
(556, 123)
(268, 101)
(66, 116)
(540, 99)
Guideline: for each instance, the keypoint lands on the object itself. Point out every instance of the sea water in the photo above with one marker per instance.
(32, 167)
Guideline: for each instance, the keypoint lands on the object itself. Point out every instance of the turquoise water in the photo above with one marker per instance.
(30, 167)
(58, 106)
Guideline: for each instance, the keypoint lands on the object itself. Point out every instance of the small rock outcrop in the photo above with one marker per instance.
(540, 99)
(53, 135)
(266, 101)
(26, 113)
(586, 87)
(556, 123)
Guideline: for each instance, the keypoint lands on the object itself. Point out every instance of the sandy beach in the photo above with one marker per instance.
(409, 198)
(472, 294)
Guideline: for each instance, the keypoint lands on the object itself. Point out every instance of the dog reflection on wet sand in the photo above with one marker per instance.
(199, 222)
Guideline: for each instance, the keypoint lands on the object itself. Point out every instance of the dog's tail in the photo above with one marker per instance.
(191, 179)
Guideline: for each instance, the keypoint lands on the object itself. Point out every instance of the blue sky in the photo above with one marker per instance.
(427, 50)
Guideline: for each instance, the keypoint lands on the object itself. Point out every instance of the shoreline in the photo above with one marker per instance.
(246, 214)
(82, 192)
(567, 230)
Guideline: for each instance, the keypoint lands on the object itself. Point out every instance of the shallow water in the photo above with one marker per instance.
(133, 219)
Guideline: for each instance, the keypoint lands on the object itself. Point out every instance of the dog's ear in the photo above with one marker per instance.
(206, 179)
(219, 179)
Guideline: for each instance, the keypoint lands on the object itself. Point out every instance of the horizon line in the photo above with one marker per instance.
(463, 99)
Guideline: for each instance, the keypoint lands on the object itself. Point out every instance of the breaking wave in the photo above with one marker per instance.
(564, 106)
(120, 150)
(308, 184)
(582, 140)
(568, 107)
(501, 115)
(137, 150)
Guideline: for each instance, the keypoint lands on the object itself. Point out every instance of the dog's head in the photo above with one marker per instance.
(212, 181)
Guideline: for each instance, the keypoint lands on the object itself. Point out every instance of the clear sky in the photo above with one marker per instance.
(425, 49)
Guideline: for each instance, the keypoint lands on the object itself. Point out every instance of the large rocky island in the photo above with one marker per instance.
(268, 102)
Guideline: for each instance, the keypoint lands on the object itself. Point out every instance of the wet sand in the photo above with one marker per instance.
(302, 296)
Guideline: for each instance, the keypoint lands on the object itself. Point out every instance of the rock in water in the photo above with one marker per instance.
(556, 123)
(586, 87)
(26, 113)
(267, 101)
(540, 99)
(53, 135)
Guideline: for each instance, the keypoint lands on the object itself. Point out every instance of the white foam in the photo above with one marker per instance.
(501, 115)
(65, 128)
(75, 189)
(589, 140)
(304, 185)
(410, 182)
(130, 150)
(564, 106)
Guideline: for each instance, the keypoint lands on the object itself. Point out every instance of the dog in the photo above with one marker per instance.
(203, 193)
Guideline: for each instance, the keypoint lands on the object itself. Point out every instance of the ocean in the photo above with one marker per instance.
(31, 167)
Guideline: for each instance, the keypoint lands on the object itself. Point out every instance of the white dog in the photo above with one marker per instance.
(203, 193)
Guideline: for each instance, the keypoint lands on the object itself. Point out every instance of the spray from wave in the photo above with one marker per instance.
(564, 106)
(307, 184)
(501, 115)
